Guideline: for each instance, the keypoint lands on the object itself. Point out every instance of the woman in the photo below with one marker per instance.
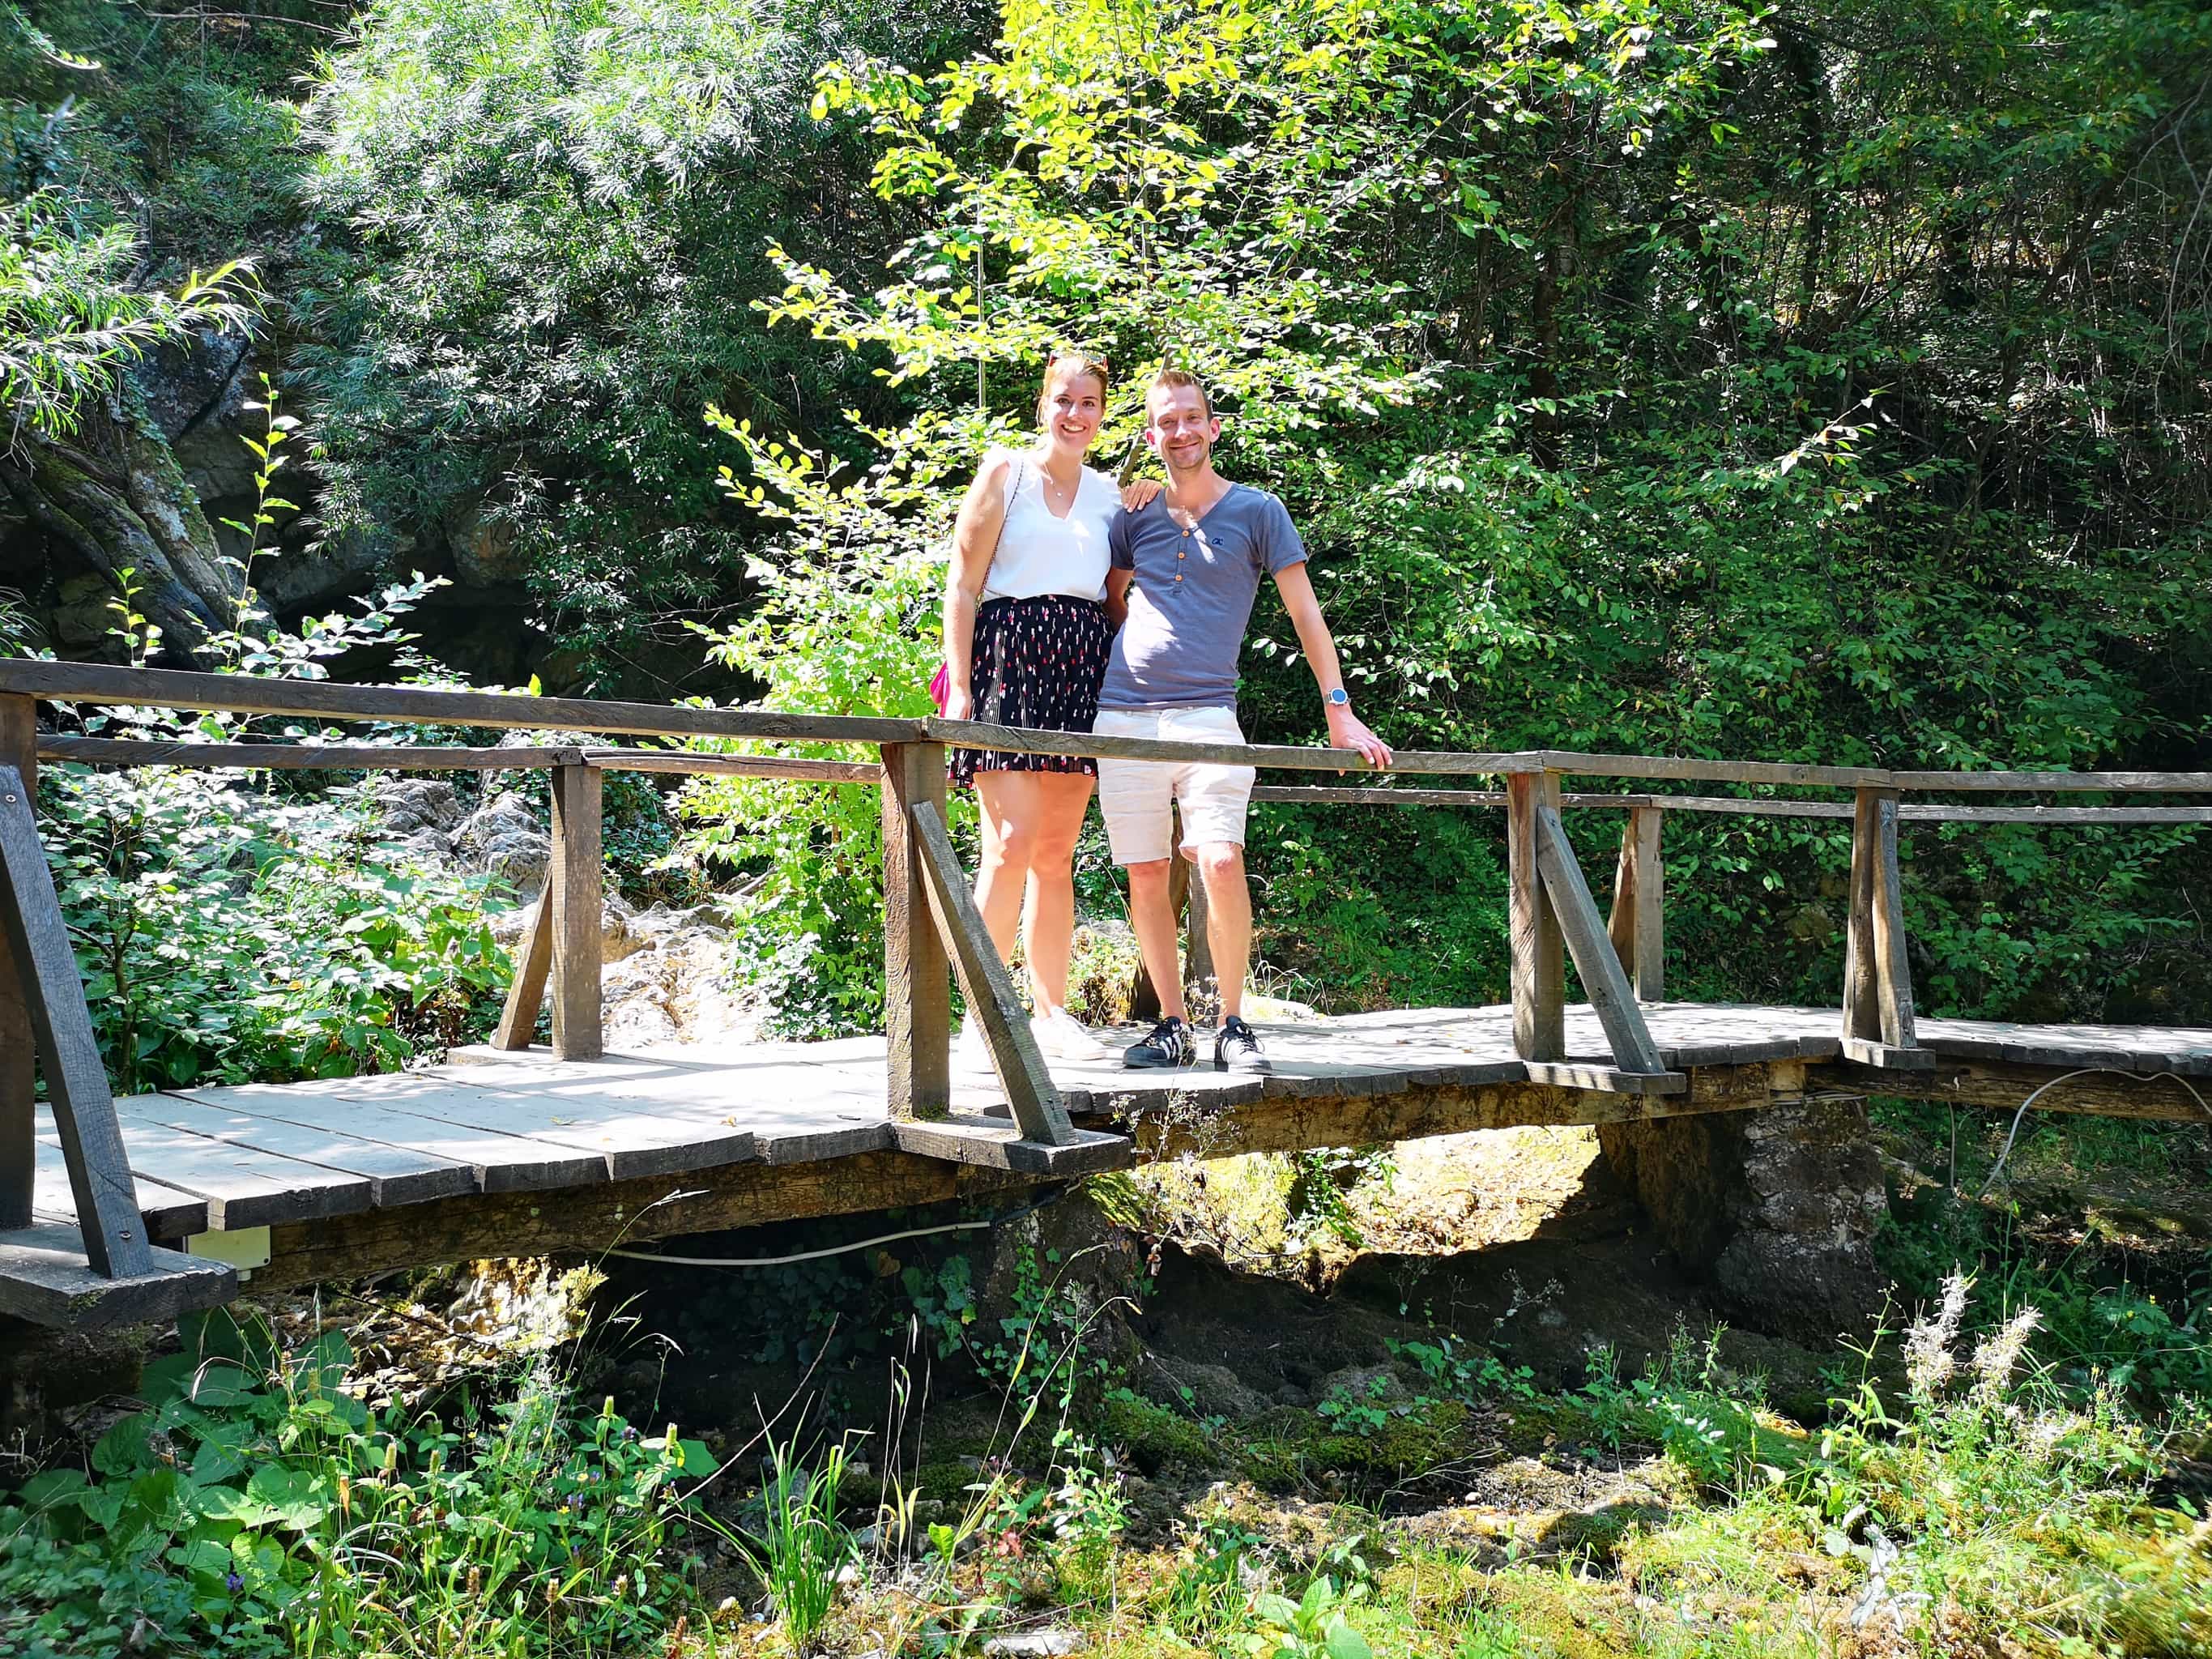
(1025, 644)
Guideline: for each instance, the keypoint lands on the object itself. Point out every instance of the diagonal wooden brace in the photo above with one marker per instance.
(1878, 1012)
(77, 1082)
(1604, 981)
(988, 985)
(533, 963)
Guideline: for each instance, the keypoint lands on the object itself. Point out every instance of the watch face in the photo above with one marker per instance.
(1339, 696)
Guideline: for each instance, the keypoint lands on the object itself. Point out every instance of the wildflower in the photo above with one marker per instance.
(1995, 1356)
(1928, 1363)
(233, 1583)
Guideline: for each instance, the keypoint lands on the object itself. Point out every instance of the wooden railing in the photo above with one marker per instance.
(933, 933)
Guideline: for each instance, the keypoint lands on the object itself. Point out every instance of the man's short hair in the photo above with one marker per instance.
(1177, 378)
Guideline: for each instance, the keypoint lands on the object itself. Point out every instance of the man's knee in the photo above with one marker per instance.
(1219, 862)
(1149, 878)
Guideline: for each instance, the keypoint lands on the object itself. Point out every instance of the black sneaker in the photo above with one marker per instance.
(1236, 1049)
(1168, 1043)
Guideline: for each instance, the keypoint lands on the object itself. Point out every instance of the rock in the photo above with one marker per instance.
(1779, 1207)
(80, 615)
(486, 552)
(411, 804)
(503, 837)
(195, 393)
(1054, 1643)
(1213, 1390)
(339, 564)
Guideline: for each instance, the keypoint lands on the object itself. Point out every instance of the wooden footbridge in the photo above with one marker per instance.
(138, 1209)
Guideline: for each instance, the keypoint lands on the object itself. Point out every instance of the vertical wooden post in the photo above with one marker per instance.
(1539, 950)
(917, 973)
(19, 748)
(1638, 923)
(1893, 967)
(1862, 1010)
(575, 889)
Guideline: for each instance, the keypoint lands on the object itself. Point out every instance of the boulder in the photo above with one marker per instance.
(413, 804)
(341, 563)
(505, 837)
(486, 552)
(80, 615)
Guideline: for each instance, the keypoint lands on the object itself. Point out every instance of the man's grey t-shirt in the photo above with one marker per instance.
(1192, 598)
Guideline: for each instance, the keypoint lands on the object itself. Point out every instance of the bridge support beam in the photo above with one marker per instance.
(19, 748)
(1538, 948)
(917, 973)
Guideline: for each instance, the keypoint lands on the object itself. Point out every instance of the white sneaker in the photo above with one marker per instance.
(1062, 1036)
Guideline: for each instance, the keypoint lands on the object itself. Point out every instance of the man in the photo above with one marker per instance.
(1185, 568)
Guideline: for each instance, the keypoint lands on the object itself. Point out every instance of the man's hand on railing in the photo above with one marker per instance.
(1347, 731)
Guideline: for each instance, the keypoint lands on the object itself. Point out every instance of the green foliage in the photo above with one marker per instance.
(1313, 1627)
(256, 1506)
(227, 932)
(800, 1546)
(70, 320)
(1689, 1406)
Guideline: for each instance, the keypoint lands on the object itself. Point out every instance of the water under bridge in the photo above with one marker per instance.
(115, 1210)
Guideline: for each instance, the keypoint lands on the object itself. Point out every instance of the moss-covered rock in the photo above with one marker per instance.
(1154, 1438)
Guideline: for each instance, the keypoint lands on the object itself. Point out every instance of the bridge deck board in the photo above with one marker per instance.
(491, 1121)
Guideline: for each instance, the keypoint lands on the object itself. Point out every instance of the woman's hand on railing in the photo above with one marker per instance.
(1138, 492)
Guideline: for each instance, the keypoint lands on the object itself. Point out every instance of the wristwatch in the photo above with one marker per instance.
(1337, 697)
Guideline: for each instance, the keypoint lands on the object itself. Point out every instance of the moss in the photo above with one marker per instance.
(1155, 1437)
(1293, 1447)
(946, 1478)
(1537, 1425)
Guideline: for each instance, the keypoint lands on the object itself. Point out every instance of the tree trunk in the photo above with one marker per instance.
(113, 491)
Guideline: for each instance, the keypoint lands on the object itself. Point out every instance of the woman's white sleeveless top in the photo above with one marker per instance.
(1039, 553)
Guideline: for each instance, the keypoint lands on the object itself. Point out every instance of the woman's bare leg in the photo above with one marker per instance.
(1048, 919)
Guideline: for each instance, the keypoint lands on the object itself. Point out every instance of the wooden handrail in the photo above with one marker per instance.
(100, 683)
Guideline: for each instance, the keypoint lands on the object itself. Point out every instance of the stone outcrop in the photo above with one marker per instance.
(1778, 1208)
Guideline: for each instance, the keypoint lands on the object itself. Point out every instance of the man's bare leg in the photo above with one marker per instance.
(1152, 915)
(1229, 921)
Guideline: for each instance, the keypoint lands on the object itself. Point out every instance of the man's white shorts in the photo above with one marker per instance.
(1135, 795)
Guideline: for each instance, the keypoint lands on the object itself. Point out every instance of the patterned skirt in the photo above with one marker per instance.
(1038, 663)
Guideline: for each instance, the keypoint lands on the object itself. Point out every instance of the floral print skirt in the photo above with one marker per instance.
(1038, 663)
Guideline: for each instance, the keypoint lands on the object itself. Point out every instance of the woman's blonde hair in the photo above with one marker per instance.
(1073, 363)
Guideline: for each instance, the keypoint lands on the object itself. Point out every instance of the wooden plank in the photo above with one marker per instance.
(164, 688)
(996, 1144)
(1783, 773)
(46, 1278)
(1887, 1057)
(301, 757)
(1892, 966)
(1923, 812)
(397, 1172)
(1648, 961)
(977, 734)
(1606, 1079)
(1998, 1085)
(18, 736)
(1539, 960)
(576, 888)
(917, 973)
(168, 1211)
(499, 1224)
(1392, 796)
(2054, 782)
(243, 1187)
(988, 985)
(76, 1080)
(533, 963)
(475, 1138)
(739, 766)
(1862, 1007)
(1603, 981)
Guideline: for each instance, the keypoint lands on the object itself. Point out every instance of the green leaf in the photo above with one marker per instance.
(1343, 1642)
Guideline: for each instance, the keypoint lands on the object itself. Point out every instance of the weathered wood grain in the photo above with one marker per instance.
(997, 1144)
(19, 736)
(396, 1173)
(917, 973)
(1932, 812)
(1640, 903)
(168, 1211)
(737, 766)
(76, 1080)
(978, 734)
(47, 1278)
(576, 888)
(1862, 1001)
(533, 964)
(1537, 950)
(301, 757)
(1998, 1085)
(1603, 981)
(529, 1224)
(986, 985)
(165, 688)
(1892, 966)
